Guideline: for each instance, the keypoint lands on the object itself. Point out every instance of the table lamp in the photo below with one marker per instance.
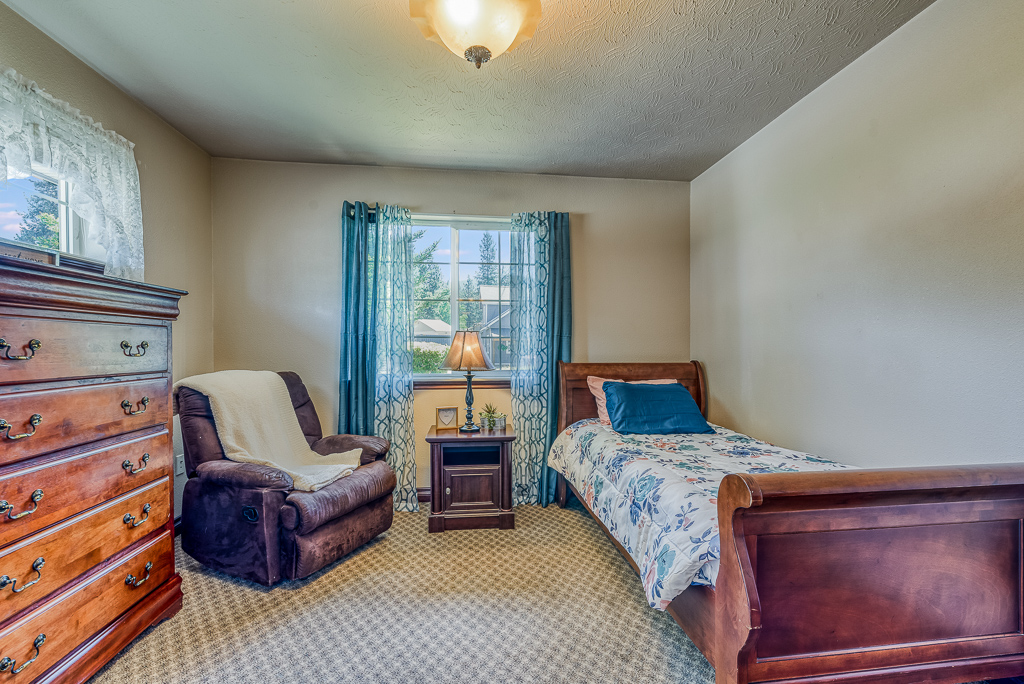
(467, 354)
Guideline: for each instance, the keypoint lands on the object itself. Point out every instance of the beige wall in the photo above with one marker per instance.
(174, 174)
(857, 267)
(277, 250)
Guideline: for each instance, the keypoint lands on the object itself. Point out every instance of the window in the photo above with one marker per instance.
(460, 282)
(35, 211)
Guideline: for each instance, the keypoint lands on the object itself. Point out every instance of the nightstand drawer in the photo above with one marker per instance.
(472, 488)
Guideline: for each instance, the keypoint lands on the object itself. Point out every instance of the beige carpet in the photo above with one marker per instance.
(551, 601)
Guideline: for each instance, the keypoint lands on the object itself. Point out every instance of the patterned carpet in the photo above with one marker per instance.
(551, 601)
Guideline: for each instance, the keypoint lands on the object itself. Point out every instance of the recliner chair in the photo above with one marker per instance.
(247, 520)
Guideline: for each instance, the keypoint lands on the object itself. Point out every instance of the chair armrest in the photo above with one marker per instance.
(244, 475)
(374, 448)
(307, 511)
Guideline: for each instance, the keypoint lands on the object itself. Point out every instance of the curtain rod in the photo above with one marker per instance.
(442, 218)
(459, 217)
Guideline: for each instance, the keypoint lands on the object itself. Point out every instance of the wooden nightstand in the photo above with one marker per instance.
(470, 479)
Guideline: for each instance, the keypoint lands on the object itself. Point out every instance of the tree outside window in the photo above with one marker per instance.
(461, 276)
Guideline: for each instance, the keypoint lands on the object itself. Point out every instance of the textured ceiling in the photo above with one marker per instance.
(618, 88)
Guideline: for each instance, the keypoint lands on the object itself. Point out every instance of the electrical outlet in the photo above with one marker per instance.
(179, 464)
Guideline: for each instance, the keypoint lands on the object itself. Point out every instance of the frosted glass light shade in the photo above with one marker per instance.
(497, 25)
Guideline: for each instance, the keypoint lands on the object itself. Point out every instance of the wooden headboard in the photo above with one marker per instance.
(575, 402)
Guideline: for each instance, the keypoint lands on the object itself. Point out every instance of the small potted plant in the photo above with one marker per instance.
(491, 418)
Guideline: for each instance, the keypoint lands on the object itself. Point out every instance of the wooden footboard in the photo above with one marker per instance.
(871, 576)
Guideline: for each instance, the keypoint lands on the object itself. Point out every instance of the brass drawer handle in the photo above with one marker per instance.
(33, 347)
(7, 663)
(126, 347)
(37, 566)
(34, 421)
(7, 508)
(134, 583)
(129, 519)
(127, 406)
(143, 462)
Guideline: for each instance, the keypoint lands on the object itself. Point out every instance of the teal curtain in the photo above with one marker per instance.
(541, 336)
(358, 303)
(377, 341)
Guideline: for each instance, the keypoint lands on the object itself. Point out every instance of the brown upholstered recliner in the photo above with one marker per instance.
(246, 520)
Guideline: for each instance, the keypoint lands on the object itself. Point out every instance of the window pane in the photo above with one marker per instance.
(431, 281)
(478, 246)
(432, 243)
(504, 246)
(490, 318)
(27, 216)
(34, 184)
(432, 335)
(502, 358)
(471, 314)
(479, 281)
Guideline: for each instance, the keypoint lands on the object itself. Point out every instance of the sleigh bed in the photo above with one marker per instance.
(897, 575)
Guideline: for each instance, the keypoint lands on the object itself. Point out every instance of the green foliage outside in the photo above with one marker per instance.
(471, 313)
(427, 360)
(428, 283)
(39, 223)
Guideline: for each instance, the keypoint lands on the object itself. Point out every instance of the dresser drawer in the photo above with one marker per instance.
(47, 420)
(66, 620)
(73, 349)
(71, 484)
(46, 561)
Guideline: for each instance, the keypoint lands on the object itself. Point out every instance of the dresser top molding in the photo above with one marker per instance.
(29, 284)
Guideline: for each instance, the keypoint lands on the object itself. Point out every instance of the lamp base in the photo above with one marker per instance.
(469, 425)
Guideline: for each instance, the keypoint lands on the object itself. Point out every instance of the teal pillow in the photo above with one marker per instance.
(640, 409)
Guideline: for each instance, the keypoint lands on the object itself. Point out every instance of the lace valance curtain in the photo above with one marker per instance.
(38, 129)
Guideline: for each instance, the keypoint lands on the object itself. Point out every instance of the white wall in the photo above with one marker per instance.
(857, 267)
(277, 251)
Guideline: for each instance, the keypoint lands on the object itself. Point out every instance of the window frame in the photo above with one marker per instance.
(457, 223)
(67, 220)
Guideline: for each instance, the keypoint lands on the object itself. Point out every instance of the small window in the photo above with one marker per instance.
(34, 211)
(460, 282)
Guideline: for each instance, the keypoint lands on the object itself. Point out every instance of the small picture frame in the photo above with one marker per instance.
(447, 418)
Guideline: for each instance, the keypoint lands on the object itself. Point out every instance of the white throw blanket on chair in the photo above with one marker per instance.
(257, 424)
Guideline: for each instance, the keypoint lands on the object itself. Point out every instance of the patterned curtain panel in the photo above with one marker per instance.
(376, 355)
(541, 336)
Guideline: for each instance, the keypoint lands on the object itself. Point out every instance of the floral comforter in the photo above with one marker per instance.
(657, 494)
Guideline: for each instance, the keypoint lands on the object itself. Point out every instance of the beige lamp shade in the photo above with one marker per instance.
(467, 354)
(478, 30)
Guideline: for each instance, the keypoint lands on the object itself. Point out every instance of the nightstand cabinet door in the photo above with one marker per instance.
(472, 488)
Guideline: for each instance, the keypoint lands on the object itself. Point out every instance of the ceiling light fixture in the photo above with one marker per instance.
(478, 30)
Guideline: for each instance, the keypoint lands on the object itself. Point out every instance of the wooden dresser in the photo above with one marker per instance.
(86, 475)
